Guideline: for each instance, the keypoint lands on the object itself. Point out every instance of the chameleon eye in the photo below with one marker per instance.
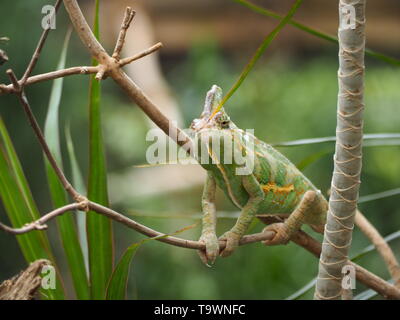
(224, 123)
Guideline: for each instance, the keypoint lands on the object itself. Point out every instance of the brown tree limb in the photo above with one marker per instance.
(25, 285)
(86, 205)
(381, 246)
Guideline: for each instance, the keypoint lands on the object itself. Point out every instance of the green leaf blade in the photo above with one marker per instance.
(65, 223)
(99, 228)
(79, 185)
(119, 279)
(21, 209)
(259, 52)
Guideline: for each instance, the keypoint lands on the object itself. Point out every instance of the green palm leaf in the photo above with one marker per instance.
(65, 223)
(21, 209)
(99, 228)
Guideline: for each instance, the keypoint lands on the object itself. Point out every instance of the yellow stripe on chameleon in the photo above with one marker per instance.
(271, 186)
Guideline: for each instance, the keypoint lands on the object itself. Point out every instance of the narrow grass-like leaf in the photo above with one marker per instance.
(21, 209)
(261, 49)
(99, 227)
(190, 216)
(369, 140)
(117, 286)
(302, 291)
(381, 139)
(314, 32)
(79, 185)
(389, 238)
(379, 195)
(301, 165)
(65, 223)
(119, 280)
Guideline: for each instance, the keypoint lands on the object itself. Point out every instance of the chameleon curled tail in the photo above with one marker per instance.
(380, 244)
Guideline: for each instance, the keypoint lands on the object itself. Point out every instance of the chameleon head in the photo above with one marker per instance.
(212, 129)
(209, 118)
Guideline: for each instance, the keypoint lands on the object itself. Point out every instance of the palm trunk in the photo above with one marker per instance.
(347, 160)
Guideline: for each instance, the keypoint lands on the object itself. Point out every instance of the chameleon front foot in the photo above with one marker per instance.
(209, 255)
(232, 242)
(281, 234)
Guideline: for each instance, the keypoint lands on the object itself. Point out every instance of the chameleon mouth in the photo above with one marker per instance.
(202, 123)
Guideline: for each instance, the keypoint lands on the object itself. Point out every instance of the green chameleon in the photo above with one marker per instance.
(274, 185)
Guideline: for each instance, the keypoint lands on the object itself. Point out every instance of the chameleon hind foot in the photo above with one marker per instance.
(211, 252)
(283, 231)
(232, 242)
(281, 234)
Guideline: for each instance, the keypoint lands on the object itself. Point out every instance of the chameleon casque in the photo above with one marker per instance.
(274, 186)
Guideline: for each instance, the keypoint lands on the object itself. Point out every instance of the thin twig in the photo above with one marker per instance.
(19, 91)
(6, 89)
(146, 52)
(129, 14)
(381, 246)
(36, 54)
(40, 224)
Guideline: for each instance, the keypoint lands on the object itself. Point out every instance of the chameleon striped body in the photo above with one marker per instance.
(283, 184)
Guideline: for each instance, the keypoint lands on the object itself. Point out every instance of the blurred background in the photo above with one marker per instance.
(291, 94)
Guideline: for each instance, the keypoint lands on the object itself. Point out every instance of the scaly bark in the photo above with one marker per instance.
(348, 155)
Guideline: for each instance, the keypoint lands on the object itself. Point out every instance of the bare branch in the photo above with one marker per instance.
(146, 52)
(19, 91)
(129, 14)
(381, 246)
(39, 48)
(86, 205)
(51, 76)
(40, 224)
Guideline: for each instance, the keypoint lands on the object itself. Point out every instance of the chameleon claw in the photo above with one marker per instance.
(232, 242)
(281, 234)
(209, 255)
(203, 258)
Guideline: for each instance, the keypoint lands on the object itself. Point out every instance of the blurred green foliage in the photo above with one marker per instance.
(284, 98)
